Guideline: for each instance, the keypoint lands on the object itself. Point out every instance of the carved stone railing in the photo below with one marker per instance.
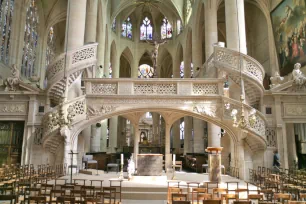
(249, 66)
(81, 57)
(68, 113)
(259, 127)
(162, 87)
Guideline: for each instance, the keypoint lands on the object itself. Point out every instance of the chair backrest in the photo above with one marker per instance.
(11, 198)
(242, 202)
(178, 162)
(87, 157)
(212, 201)
(218, 191)
(37, 199)
(178, 196)
(63, 199)
(181, 202)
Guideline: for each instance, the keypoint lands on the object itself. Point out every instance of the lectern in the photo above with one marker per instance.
(214, 163)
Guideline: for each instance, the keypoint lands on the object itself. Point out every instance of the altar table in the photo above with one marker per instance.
(149, 164)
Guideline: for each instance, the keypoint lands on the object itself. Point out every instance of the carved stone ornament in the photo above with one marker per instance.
(276, 80)
(209, 110)
(295, 110)
(299, 78)
(12, 108)
(93, 111)
(11, 83)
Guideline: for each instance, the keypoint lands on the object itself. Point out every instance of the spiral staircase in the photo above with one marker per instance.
(105, 98)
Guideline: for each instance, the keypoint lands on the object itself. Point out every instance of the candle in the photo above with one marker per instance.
(122, 159)
(173, 159)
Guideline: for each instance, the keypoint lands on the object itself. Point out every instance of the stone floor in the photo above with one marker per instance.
(153, 190)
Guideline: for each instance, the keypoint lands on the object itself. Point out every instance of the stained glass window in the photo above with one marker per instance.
(179, 27)
(6, 13)
(30, 41)
(51, 48)
(114, 26)
(127, 28)
(145, 71)
(182, 69)
(166, 29)
(188, 10)
(110, 70)
(182, 129)
(146, 30)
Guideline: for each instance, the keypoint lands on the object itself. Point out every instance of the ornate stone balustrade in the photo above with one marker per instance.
(83, 56)
(259, 127)
(249, 66)
(162, 87)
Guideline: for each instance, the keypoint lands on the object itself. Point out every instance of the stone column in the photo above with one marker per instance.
(156, 135)
(187, 134)
(235, 25)
(136, 143)
(101, 40)
(95, 137)
(103, 142)
(176, 137)
(241, 162)
(76, 20)
(87, 135)
(168, 159)
(187, 62)
(211, 29)
(291, 144)
(91, 21)
(198, 138)
(281, 134)
(214, 133)
(113, 134)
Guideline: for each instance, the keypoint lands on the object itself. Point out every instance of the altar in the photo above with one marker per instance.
(149, 164)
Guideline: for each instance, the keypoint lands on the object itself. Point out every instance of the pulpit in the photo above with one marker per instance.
(149, 164)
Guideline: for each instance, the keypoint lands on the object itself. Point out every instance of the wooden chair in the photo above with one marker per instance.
(178, 196)
(46, 189)
(11, 198)
(242, 190)
(102, 196)
(7, 191)
(204, 196)
(178, 164)
(228, 197)
(79, 195)
(92, 201)
(268, 194)
(54, 194)
(181, 202)
(282, 197)
(173, 190)
(302, 196)
(218, 191)
(64, 200)
(212, 201)
(37, 199)
(111, 193)
(296, 202)
(258, 197)
(196, 191)
(89, 191)
(242, 202)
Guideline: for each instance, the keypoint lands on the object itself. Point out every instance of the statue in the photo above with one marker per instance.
(131, 167)
(12, 82)
(276, 80)
(156, 43)
(298, 77)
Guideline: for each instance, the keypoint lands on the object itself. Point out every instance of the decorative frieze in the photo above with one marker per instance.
(207, 109)
(294, 110)
(13, 108)
(103, 109)
(160, 89)
(83, 54)
(105, 89)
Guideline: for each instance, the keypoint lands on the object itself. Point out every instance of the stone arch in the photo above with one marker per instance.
(114, 60)
(166, 63)
(126, 62)
(179, 55)
(145, 59)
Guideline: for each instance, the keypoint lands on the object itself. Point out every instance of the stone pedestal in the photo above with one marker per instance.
(214, 163)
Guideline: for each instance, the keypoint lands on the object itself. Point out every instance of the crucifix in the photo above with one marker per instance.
(156, 42)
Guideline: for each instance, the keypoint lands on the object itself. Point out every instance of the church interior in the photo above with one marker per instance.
(153, 101)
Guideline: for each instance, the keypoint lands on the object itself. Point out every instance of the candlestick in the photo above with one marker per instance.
(122, 159)
(174, 159)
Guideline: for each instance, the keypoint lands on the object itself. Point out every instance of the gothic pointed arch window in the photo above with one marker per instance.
(127, 28)
(6, 14)
(146, 29)
(51, 47)
(179, 26)
(145, 71)
(30, 40)
(166, 29)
